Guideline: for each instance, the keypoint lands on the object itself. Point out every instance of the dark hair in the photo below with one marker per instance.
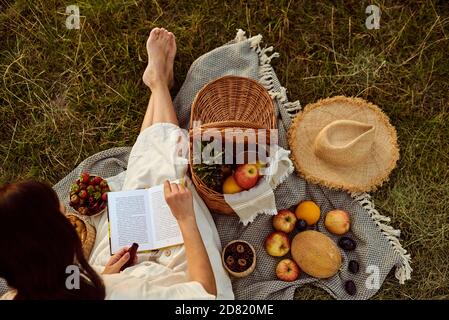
(37, 243)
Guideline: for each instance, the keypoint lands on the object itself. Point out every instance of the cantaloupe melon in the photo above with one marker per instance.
(316, 254)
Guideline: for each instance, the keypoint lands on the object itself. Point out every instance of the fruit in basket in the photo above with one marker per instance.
(88, 194)
(246, 176)
(287, 270)
(316, 254)
(230, 186)
(277, 244)
(284, 221)
(308, 211)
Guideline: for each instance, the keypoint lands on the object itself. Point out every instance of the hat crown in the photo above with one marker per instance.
(344, 142)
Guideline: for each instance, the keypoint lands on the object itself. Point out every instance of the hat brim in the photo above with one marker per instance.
(365, 176)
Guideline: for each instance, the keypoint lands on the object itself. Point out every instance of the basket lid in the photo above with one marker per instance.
(232, 99)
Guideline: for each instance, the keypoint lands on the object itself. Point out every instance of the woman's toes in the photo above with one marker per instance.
(155, 33)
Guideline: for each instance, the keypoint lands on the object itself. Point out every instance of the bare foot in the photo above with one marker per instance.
(161, 48)
(171, 58)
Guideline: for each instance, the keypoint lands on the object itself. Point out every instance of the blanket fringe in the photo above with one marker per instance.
(403, 270)
(266, 54)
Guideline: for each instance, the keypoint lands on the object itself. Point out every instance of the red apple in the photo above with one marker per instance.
(246, 176)
(277, 244)
(287, 270)
(284, 221)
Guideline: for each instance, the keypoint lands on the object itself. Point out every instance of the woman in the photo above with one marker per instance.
(37, 243)
(179, 272)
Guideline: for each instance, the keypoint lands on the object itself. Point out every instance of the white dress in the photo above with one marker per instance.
(163, 275)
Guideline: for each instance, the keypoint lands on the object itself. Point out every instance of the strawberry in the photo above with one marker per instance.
(90, 190)
(82, 194)
(104, 196)
(74, 199)
(85, 177)
(103, 184)
(95, 208)
(75, 188)
(91, 181)
(83, 186)
(97, 195)
(97, 180)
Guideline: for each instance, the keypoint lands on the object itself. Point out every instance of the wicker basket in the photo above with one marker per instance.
(229, 102)
(234, 99)
(89, 240)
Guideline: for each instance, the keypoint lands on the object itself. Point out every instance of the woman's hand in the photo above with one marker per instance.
(117, 261)
(180, 201)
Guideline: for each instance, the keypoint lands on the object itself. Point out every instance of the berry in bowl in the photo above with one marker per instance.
(89, 195)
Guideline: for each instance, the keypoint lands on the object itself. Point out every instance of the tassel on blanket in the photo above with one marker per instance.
(404, 270)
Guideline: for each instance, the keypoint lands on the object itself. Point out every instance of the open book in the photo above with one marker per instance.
(141, 216)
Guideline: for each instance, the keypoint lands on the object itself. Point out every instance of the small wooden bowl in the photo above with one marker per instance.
(246, 272)
(89, 239)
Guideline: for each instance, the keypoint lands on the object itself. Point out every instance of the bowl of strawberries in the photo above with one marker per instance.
(89, 195)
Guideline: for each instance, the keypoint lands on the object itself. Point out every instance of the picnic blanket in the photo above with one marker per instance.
(378, 248)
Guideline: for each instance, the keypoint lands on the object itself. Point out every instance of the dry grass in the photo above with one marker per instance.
(66, 94)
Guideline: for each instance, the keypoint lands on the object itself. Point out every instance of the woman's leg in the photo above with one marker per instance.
(158, 76)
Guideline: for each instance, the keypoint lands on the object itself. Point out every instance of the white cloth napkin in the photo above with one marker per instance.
(260, 199)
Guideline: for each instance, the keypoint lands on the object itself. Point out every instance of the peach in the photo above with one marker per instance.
(337, 222)
(230, 186)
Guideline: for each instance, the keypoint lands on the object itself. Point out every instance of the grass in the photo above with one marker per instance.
(66, 94)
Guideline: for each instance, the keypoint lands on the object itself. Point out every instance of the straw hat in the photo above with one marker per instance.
(344, 143)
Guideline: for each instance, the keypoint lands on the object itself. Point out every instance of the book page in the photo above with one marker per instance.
(166, 231)
(129, 218)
